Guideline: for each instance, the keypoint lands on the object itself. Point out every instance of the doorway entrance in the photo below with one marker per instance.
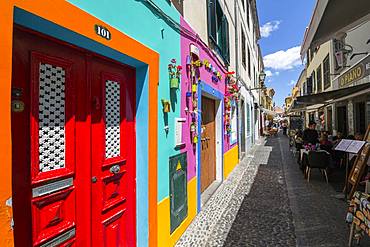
(342, 120)
(73, 139)
(242, 128)
(208, 143)
(360, 117)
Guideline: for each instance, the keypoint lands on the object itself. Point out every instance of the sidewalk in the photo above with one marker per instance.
(267, 202)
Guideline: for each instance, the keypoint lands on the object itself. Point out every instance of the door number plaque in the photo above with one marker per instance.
(102, 32)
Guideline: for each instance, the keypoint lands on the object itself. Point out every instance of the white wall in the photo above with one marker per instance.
(357, 38)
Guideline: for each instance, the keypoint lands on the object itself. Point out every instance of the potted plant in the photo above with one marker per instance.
(174, 73)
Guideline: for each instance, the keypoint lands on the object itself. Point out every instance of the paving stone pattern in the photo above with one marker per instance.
(265, 218)
(267, 202)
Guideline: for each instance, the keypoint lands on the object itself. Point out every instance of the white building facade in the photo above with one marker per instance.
(245, 58)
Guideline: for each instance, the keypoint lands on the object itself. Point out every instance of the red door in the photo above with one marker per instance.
(113, 153)
(56, 136)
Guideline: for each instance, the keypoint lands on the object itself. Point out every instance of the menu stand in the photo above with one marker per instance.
(348, 146)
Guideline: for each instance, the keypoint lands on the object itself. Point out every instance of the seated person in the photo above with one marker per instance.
(298, 139)
(359, 136)
(310, 135)
(337, 138)
(325, 144)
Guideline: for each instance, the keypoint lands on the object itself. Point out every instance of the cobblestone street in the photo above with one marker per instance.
(267, 202)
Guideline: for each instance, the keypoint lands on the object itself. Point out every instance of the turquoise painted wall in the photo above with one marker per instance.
(134, 18)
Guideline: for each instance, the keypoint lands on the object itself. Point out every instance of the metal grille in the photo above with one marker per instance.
(51, 118)
(112, 119)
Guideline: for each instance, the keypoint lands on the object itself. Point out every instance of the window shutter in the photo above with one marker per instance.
(225, 41)
(212, 27)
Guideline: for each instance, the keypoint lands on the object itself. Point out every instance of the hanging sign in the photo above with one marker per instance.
(355, 73)
(102, 32)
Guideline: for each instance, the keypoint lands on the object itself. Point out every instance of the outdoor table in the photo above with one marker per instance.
(359, 216)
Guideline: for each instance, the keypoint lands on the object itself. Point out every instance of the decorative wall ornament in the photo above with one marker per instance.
(232, 94)
(166, 105)
(174, 74)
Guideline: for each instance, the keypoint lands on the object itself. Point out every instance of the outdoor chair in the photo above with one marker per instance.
(318, 159)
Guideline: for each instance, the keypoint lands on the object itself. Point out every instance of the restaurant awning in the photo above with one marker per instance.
(269, 112)
(316, 101)
(326, 97)
(333, 17)
(297, 107)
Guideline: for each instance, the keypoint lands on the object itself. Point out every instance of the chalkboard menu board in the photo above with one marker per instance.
(296, 123)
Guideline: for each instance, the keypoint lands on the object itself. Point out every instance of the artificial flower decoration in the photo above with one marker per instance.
(174, 73)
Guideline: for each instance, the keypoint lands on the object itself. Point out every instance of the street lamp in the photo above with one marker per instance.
(262, 76)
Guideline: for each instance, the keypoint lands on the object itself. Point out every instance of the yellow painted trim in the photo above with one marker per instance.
(231, 159)
(164, 237)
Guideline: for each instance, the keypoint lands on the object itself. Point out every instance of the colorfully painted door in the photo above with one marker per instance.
(208, 143)
(113, 154)
(44, 81)
(53, 144)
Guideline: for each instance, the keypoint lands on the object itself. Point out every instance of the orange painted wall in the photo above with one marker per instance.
(6, 26)
(64, 14)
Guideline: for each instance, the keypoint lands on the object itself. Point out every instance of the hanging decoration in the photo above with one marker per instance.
(231, 95)
(174, 74)
(193, 64)
(216, 75)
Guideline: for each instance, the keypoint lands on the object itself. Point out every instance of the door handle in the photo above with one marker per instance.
(115, 169)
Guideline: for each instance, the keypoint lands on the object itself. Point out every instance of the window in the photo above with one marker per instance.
(244, 60)
(309, 85)
(326, 69)
(249, 63)
(248, 13)
(253, 76)
(218, 29)
(319, 79)
(308, 57)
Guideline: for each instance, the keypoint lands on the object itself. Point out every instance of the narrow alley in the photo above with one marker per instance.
(267, 202)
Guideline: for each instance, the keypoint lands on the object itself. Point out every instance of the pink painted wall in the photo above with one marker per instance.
(206, 77)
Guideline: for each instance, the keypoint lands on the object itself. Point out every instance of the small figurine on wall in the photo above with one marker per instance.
(166, 106)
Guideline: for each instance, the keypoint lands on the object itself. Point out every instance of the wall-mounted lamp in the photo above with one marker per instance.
(262, 76)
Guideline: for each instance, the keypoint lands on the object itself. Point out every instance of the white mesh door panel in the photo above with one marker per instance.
(112, 119)
(51, 117)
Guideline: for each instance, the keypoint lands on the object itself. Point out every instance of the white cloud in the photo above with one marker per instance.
(292, 82)
(269, 27)
(283, 60)
(268, 73)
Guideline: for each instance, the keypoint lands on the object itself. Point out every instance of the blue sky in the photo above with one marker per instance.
(283, 23)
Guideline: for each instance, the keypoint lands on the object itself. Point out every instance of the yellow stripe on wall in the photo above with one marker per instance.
(164, 237)
(231, 159)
